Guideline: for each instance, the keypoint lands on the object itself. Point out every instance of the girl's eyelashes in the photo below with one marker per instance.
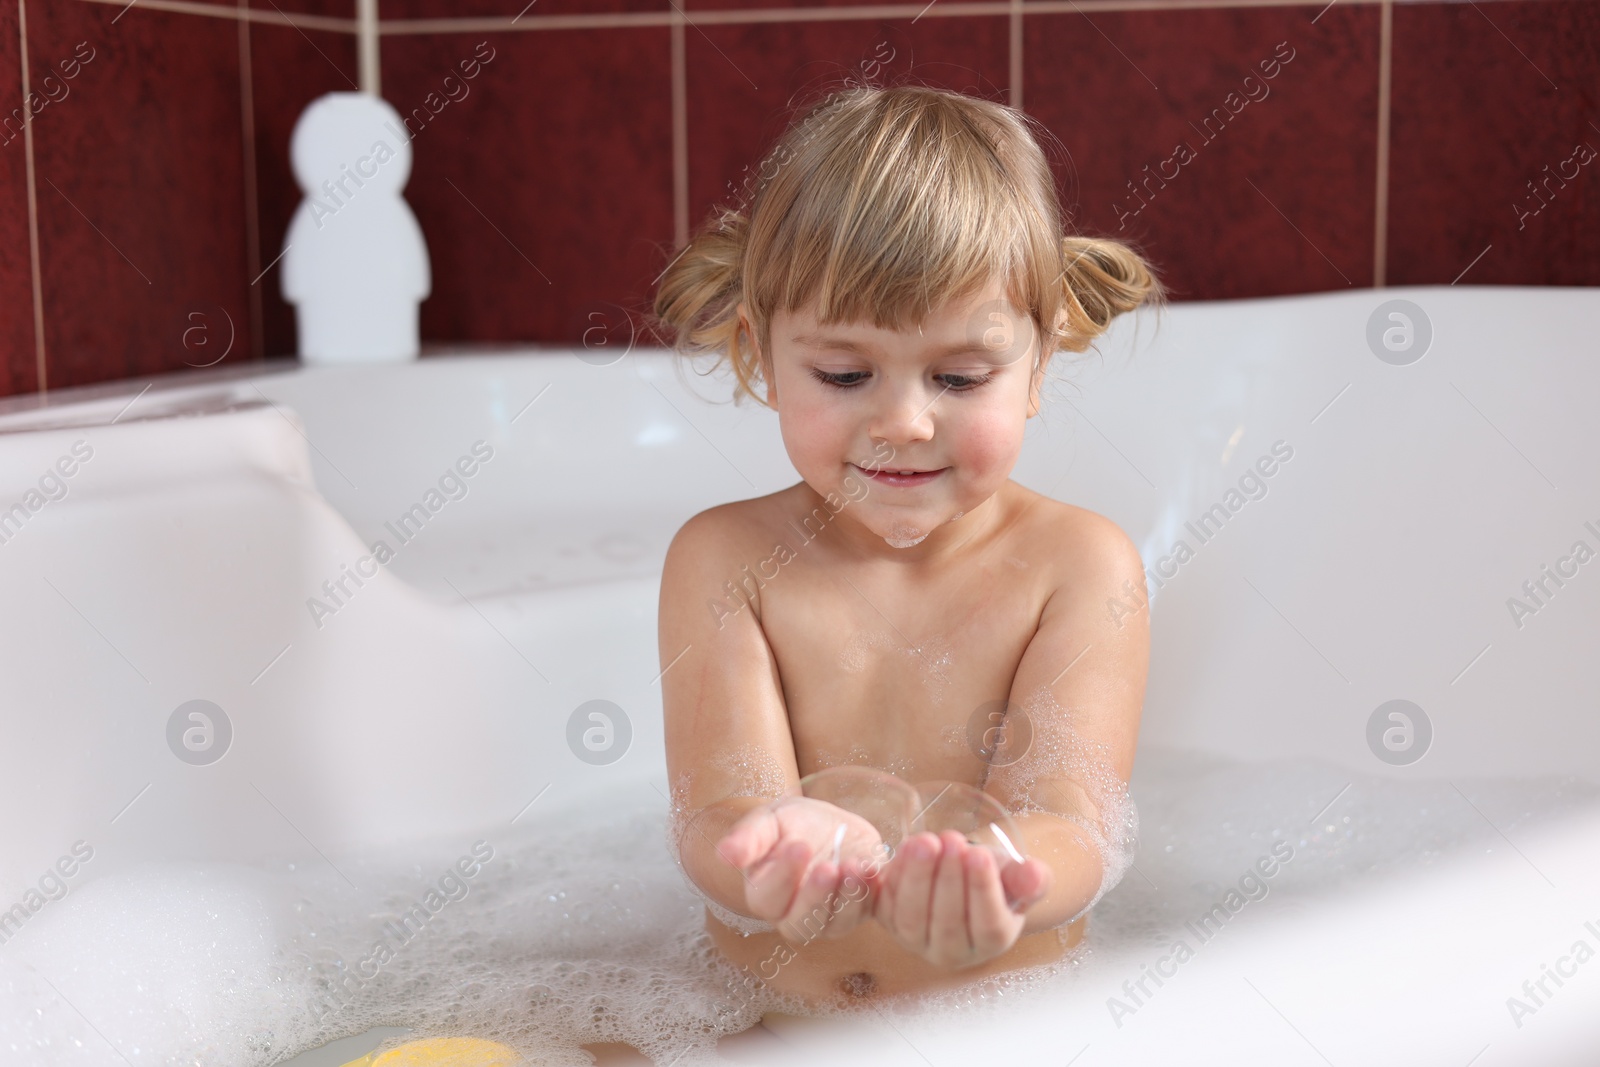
(955, 383)
(843, 380)
(960, 383)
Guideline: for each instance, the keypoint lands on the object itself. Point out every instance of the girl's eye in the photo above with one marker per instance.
(843, 380)
(957, 383)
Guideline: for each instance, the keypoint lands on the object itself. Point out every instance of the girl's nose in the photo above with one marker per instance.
(905, 415)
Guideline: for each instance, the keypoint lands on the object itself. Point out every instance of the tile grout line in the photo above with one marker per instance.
(716, 16)
(252, 208)
(249, 14)
(680, 134)
(859, 13)
(1016, 55)
(40, 368)
(1380, 241)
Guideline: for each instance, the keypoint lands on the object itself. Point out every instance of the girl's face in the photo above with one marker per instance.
(913, 428)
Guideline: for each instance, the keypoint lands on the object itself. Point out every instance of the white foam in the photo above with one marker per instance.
(932, 657)
(1065, 773)
(747, 771)
(153, 957)
(581, 927)
(904, 535)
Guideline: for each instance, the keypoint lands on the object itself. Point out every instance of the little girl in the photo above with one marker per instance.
(894, 291)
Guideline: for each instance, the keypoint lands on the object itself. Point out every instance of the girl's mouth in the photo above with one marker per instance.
(902, 477)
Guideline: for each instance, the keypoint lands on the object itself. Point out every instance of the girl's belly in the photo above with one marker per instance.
(869, 962)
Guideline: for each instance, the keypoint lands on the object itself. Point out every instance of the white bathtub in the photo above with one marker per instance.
(433, 699)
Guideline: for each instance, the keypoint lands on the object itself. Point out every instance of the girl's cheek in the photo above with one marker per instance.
(989, 443)
(813, 433)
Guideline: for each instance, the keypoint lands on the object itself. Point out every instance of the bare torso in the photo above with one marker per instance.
(885, 664)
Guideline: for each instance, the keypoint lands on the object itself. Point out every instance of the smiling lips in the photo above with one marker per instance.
(901, 477)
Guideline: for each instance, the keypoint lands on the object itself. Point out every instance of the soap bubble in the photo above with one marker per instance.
(889, 803)
(972, 813)
(898, 809)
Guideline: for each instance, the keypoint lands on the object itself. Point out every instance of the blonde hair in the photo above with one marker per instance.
(882, 204)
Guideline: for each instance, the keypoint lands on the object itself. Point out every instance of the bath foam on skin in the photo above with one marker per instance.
(932, 656)
(1064, 773)
(904, 535)
(906, 538)
(858, 756)
(853, 657)
(756, 774)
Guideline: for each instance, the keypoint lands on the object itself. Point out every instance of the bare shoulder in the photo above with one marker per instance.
(712, 530)
(738, 530)
(1085, 551)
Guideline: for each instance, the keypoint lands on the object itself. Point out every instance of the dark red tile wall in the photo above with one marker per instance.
(547, 186)
(321, 62)
(400, 10)
(1492, 97)
(744, 81)
(18, 363)
(337, 9)
(139, 181)
(549, 189)
(1235, 147)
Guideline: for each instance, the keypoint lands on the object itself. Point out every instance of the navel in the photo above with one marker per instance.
(860, 984)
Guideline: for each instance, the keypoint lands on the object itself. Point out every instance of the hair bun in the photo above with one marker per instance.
(1102, 279)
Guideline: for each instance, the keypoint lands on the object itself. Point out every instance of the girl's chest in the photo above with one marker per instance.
(899, 675)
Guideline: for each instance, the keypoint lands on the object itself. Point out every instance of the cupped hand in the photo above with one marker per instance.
(953, 902)
(786, 851)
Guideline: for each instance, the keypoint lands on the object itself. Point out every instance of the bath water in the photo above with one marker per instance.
(575, 926)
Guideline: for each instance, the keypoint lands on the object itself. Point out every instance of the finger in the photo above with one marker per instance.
(992, 922)
(913, 896)
(852, 902)
(749, 839)
(771, 885)
(843, 901)
(886, 887)
(811, 913)
(862, 882)
(948, 939)
(828, 904)
(784, 863)
(1026, 883)
(875, 861)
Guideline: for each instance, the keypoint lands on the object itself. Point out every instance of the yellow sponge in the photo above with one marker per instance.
(442, 1052)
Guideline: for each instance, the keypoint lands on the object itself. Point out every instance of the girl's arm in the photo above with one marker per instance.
(728, 743)
(1076, 698)
(1081, 686)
